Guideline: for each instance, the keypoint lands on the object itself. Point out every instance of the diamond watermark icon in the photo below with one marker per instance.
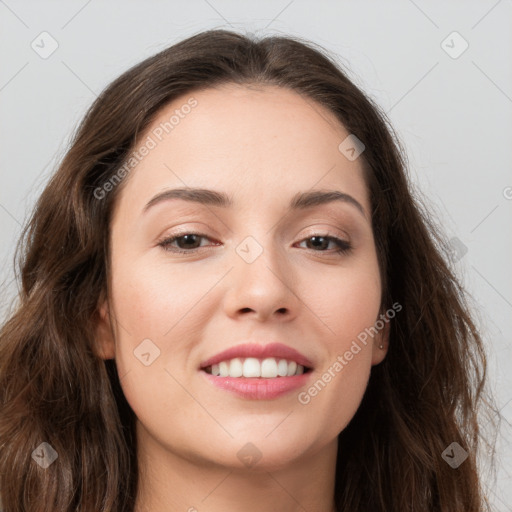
(351, 147)
(249, 249)
(44, 45)
(454, 45)
(454, 455)
(249, 455)
(459, 250)
(44, 455)
(146, 352)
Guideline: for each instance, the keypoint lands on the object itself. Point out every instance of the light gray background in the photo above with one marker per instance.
(453, 114)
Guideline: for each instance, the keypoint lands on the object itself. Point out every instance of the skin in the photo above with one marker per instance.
(261, 145)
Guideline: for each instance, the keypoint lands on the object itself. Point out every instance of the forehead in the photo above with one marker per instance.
(251, 141)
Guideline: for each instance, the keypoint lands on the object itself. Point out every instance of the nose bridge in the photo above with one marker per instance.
(261, 278)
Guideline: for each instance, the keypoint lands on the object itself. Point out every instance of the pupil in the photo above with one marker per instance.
(315, 239)
(189, 239)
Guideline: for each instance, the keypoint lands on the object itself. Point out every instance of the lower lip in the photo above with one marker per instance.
(258, 388)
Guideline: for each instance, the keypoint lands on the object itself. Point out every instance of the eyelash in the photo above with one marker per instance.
(344, 247)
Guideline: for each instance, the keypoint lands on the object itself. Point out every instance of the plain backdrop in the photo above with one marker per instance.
(442, 72)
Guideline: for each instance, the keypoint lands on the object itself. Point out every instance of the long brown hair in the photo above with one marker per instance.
(55, 388)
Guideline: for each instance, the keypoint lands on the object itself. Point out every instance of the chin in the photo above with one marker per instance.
(261, 451)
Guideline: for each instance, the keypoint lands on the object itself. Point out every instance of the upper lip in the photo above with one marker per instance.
(277, 350)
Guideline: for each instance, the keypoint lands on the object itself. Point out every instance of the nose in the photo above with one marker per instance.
(262, 289)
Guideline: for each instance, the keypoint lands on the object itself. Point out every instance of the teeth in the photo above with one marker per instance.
(223, 369)
(282, 368)
(252, 367)
(268, 368)
(292, 368)
(236, 368)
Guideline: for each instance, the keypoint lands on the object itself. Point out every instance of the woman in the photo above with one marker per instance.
(311, 349)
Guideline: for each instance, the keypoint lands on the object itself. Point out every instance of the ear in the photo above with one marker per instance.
(104, 343)
(381, 340)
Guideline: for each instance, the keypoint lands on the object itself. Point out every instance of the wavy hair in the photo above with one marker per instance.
(55, 388)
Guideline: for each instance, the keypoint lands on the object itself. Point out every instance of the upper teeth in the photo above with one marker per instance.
(251, 367)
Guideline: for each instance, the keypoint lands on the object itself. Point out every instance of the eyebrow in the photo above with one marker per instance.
(300, 201)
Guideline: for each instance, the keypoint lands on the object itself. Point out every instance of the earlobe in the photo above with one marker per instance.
(381, 343)
(104, 345)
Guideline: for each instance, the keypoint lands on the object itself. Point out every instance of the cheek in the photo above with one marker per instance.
(346, 300)
(152, 299)
(161, 310)
(348, 304)
(156, 312)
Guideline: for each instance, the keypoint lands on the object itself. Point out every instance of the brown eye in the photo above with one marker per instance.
(184, 243)
(320, 243)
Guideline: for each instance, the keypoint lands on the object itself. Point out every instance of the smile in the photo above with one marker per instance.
(268, 368)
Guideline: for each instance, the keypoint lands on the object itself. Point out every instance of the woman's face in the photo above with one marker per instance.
(263, 271)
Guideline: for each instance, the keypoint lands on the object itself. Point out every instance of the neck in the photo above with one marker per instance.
(171, 482)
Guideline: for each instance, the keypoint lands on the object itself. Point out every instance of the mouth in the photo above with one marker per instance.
(252, 367)
(258, 372)
(251, 360)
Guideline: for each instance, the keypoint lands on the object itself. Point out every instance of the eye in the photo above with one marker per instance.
(186, 242)
(322, 242)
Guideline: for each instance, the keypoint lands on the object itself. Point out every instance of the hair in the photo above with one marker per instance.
(55, 388)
